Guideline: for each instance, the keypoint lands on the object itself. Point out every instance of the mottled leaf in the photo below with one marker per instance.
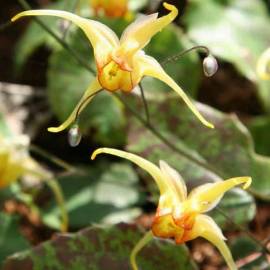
(259, 128)
(248, 253)
(101, 248)
(107, 193)
(11, 239)
(206, 154)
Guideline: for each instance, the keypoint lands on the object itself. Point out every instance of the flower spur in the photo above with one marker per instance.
(181, 216)
(121, 64)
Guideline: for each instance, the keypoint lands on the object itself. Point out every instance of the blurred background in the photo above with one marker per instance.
(41, 82)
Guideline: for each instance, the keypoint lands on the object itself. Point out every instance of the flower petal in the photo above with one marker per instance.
(102, 38)
(86, 98)
(206, 227)
(205, 197)
(151, 168)
(152, 68)
(263, 65)
(139, 33)
(175, 178)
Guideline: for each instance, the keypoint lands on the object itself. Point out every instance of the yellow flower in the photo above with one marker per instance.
(181, 216)
(15, 161)
(111, 8)
(263, 65)
(121, 64)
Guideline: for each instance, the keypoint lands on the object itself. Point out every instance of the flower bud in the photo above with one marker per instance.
(74, 136)
(210, 65)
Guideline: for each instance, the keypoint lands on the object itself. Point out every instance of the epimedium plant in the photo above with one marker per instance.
(122, 66)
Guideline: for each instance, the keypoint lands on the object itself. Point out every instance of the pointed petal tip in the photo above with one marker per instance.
(55, 129)
(210, 125)
(170, 7)
(16, 17)
(247, 183)
(96, 152)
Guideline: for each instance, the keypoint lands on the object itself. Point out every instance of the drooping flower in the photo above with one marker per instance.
(263, 65)
(180, 215)
(15, 160)
(110, 8)
(121, 64)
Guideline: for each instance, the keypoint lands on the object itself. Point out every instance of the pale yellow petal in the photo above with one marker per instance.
(152, 68)
(139, 33)
(263, 65)
(151, 168)
(102, 38)
(205, 197)
(86, 98)
(175, 179)
(206, 227)
(203, 206)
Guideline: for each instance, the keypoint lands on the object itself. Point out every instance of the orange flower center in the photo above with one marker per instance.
(114, 76)
(168, 227)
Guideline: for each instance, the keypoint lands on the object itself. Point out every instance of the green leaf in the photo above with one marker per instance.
(259, 128)
(107, 193)
(234, 30)
(207, 155)
(67, 82)
(243, 247)
(11, 239)
(102, 248)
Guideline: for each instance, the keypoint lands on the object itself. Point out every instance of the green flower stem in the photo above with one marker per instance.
(145, 104)
(142, 242)
(59, 196)
(177, 56)
(53, 159)
(58, 193)
(76, 4)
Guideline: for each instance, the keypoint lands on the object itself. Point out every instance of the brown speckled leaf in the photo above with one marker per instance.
(227, 151)
(101, 249)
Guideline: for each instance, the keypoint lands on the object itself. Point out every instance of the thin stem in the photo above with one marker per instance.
(74, 7)
(53, 159)
(5, 25)
(166, 141)
(80, 61)
(59, 196)
(179, 55)
(145, 104)
(142, 242)
(83, 103)
(243, 229)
